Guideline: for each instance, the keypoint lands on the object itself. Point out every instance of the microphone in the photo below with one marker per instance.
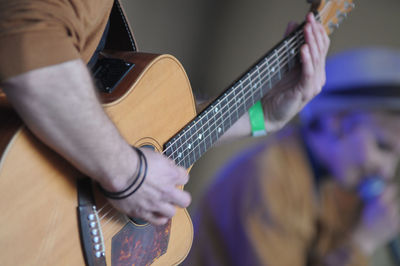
(370, 189)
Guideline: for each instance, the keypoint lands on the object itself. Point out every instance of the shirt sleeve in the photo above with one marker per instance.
(31, 37)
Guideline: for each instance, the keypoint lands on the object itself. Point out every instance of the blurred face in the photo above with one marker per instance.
(359, 145)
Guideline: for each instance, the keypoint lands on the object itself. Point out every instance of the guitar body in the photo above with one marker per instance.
(38, 194)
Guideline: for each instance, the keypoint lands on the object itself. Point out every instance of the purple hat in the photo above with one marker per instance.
(359, 79)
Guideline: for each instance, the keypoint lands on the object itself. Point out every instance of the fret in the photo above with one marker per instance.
(283, 60)
(278, 62)
(225, 111)
(187, 147)
(210, 127)
(258, 85)
(179, 151)
(289, 54)
(268, 74)
(295, 51)
(217, 110)
(207, 139)
(211, 121)
(244, 93)
(249, 94)
(169, 151)
(192, 137)
(275, 73)
(203, 138)
(197, 137)
(219, 122)
(193, 141)
(234, 103)
(218, 126)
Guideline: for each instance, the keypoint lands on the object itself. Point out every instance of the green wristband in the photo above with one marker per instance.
(257, 121)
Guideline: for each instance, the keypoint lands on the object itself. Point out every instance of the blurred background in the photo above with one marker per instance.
(216, 41)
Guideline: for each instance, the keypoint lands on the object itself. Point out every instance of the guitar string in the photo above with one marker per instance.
(230, 109)
(262, 81)
(238, 106)
(121, 218)
(240, 103)
(265, 62)
(218, 121)
(245, 94)
(291, 41)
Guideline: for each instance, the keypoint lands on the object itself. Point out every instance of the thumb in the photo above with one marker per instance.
(291, 27)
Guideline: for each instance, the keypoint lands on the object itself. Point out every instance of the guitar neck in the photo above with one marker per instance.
(201, 133)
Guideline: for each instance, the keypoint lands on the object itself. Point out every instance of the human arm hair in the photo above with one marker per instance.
(59, 105)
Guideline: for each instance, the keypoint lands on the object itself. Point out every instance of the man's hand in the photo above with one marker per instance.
(156, 200)
(59, 105)
(290, 95)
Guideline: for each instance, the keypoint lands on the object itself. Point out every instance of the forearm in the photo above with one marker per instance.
(60, 106)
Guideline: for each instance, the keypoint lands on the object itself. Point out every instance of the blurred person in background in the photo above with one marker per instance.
(317, 193)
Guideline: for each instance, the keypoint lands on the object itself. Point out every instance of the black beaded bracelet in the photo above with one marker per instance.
(121, 194)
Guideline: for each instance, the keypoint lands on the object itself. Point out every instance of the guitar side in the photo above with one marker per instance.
(38, 196)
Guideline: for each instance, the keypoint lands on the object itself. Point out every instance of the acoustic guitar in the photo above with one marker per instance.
(50, 215)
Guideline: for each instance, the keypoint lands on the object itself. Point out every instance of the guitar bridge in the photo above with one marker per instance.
(89, 225)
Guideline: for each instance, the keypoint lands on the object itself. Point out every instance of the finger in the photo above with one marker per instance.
(155, 218)
(325, 39)
(310, 40)
(165, 209)
(307, 66)
(182, 177)
(317, 35)
(179, 198)
(291, 27)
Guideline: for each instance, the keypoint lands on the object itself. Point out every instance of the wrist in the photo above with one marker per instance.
(135, 182)
(257, 120)
(119, 176)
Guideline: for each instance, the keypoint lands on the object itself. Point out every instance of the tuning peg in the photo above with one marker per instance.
(340, 16)
(333, 26)
(349, 5)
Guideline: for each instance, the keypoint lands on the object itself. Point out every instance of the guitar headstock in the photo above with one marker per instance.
(331, 13)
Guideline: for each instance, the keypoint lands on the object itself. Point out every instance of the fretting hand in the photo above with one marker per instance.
(291, 94)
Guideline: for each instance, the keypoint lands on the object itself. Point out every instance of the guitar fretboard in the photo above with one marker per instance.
(202, 132)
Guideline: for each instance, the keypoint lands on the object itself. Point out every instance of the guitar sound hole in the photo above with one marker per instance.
(138, 221)
(148, 147)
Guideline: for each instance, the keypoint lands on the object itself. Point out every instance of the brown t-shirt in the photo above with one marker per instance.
(39, 33)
